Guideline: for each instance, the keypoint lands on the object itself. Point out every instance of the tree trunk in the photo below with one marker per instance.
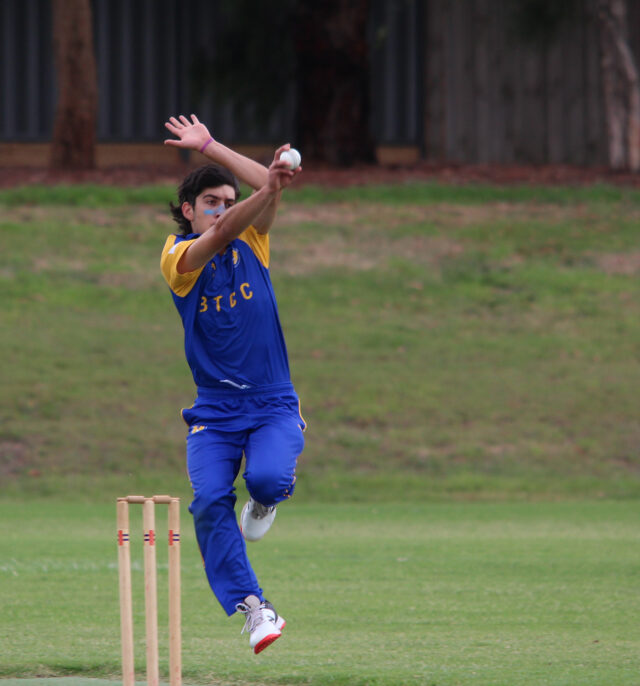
(621, 87)
(333, 81)
(74, 132)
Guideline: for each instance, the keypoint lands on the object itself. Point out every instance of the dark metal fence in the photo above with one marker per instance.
(449, 77)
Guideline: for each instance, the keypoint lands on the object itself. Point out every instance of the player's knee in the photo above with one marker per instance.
(268, 488)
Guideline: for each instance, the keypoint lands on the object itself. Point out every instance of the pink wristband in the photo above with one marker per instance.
(204, 147)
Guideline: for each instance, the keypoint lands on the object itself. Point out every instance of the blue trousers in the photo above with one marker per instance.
(266, 427)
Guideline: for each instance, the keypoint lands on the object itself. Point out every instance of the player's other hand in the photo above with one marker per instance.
(280, 176)
(190, 134)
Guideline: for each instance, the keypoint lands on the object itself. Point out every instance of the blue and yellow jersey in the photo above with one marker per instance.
(232, 332)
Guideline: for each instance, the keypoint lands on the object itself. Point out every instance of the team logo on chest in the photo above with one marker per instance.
(235, 260)
(215, 302)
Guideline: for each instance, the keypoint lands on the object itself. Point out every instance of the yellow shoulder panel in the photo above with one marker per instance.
(259, 243)
(180, 284)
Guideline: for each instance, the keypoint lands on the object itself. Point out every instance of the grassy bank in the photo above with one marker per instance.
(447, 342)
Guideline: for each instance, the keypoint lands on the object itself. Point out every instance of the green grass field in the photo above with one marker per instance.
(466, 508)
(374, 594)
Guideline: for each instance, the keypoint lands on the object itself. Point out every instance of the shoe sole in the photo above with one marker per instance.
(249, 540)
(240, 524)
(265, 642)
(240, 521)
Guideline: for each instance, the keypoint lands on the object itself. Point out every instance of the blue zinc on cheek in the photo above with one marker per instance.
(215, 211)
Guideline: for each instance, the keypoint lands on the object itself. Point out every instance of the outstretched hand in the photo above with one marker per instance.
(191, 134)
(280, 175)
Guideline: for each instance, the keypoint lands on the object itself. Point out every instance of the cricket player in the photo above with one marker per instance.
(217, 268)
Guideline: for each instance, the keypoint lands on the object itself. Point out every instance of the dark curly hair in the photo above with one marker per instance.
(208, 176)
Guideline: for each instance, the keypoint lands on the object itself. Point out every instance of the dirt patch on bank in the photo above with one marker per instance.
(333, 177)
(627, 264)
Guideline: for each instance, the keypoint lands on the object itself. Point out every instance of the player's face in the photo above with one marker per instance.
(209, 205)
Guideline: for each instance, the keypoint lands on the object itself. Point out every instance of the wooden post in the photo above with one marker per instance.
(175, 638)
(126, 606)
(150, 590)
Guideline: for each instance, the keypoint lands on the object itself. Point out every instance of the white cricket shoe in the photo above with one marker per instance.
(256, 520)
(277, 619)
(259, 623)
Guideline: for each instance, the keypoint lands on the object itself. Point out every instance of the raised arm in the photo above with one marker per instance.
(193, 135)
(262, 203)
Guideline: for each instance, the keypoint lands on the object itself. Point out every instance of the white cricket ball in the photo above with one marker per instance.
(292, 157)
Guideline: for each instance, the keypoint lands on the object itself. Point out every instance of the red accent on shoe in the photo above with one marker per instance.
(265, 642)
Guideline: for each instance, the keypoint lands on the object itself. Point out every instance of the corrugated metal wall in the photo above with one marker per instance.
(26, 70)
(398, 48)
(141, 66)
(145, 50)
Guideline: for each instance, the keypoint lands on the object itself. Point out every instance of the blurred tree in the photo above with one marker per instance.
(332, 80)
(74, 132)
(620, 85)
(253, 57)
(321, 47)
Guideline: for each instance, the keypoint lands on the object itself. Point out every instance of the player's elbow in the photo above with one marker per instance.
(262, 227)
(183, 264)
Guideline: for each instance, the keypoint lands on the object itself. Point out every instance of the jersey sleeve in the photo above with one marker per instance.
(259, 243)
(180, 284)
